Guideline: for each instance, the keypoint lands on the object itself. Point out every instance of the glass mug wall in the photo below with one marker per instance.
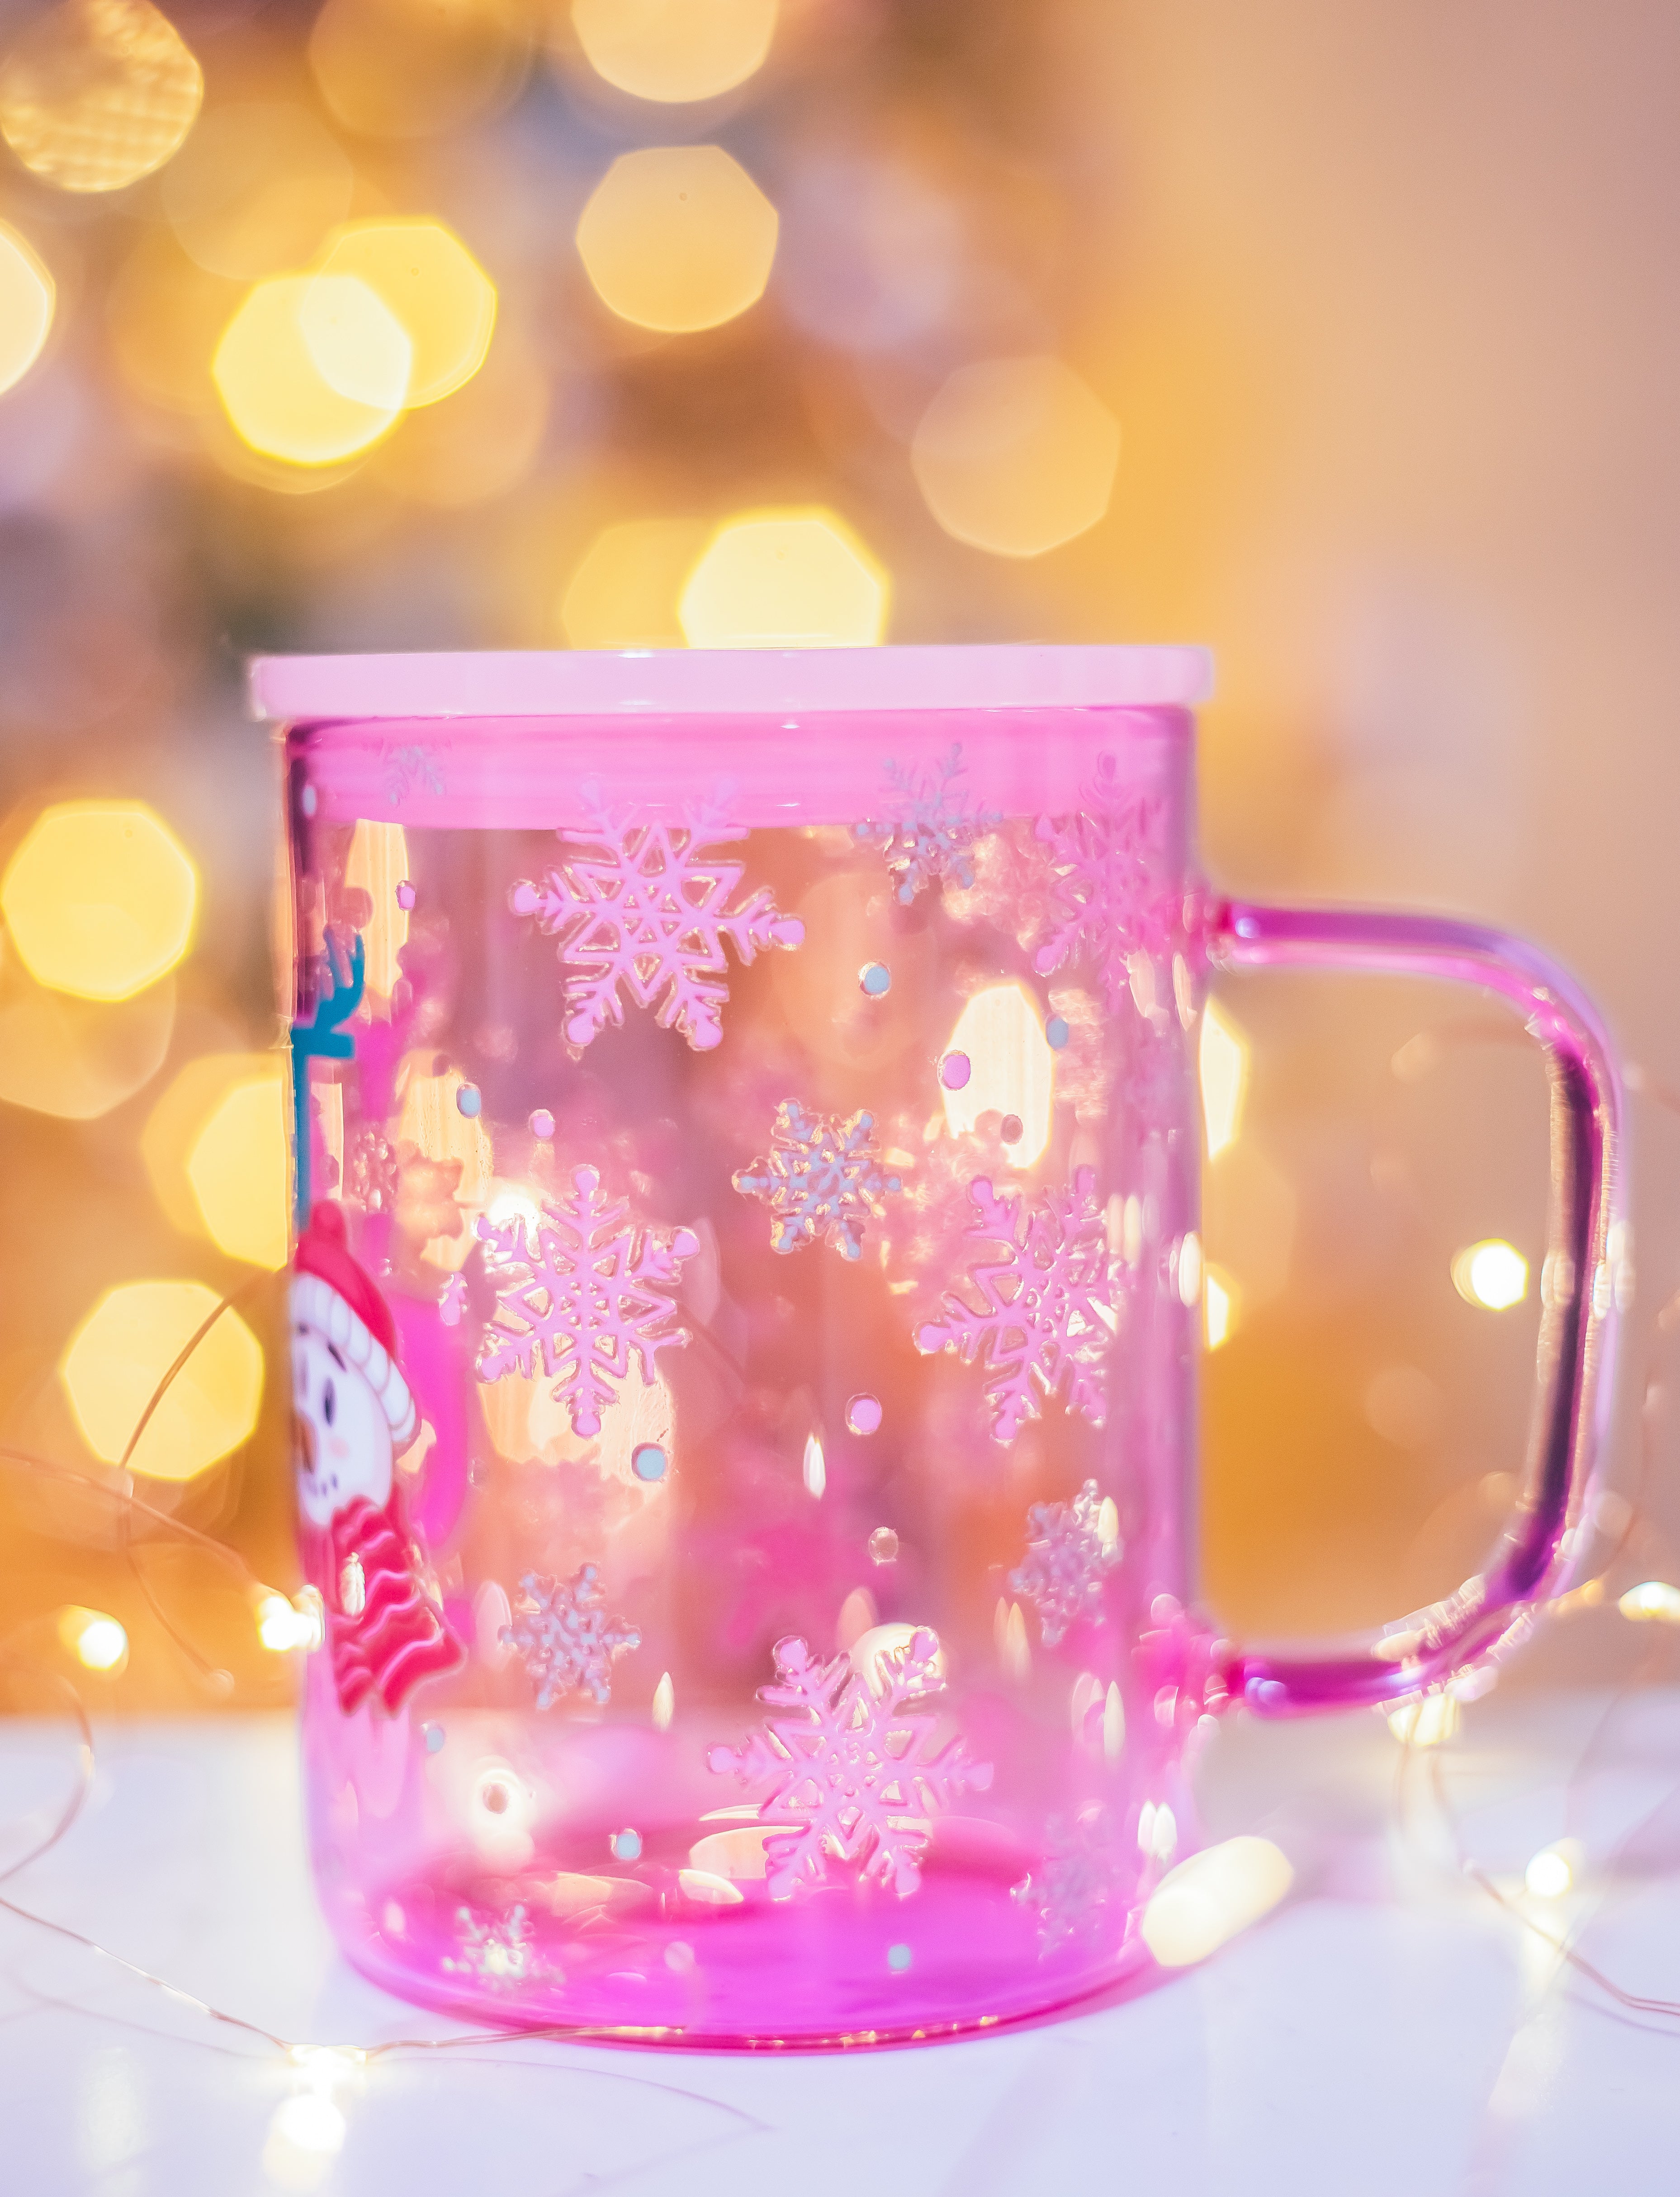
(745, 1321)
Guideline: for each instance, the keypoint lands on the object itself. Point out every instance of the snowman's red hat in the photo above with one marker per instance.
(331, 1294)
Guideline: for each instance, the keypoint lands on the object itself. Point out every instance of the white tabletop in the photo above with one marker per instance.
(1389, 2029)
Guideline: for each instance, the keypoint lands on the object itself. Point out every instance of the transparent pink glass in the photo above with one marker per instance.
(746, 1320)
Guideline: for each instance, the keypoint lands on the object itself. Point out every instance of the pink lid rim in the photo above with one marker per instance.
(678, 683)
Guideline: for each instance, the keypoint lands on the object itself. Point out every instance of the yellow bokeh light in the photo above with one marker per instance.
(122, 1351)
(1224, 1078)
(97, 93)
(458, 1148)
(479, 444)
(312, 369)
(674, 51)
(238, 1168)
(1219, 1307)
(377, 863)
(438, 291)
(1205, 1901)
(100, 898)
(405, 68)
(97, 1642)
(678, 238)
(624, 593)
(784, 579)
(166, 317)
(256, 187)
(1494, 1275)
(1428, 1721)
(172, 1127)
(26, 297)
(1652, 1602)
(77, 1058)
(1016, 456)
(1012, 1069)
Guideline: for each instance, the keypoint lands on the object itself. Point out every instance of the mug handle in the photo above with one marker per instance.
(1578, 1292)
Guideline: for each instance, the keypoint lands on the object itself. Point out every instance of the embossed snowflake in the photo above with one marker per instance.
(821, 1180)
(562, 1634)
(1074, 1891)
(495, 1950)
(931, 830)
(406, 768)
(581, 1292)
(1187, 1666)
(1047, 1312)
(849, 1766)
(373, 1176)
(645, 907)
(1106, 902)
(1071, 1547)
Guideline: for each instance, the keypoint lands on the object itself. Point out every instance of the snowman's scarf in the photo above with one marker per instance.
(400, 1636)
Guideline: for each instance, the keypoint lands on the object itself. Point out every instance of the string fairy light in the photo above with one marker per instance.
(283, 1623)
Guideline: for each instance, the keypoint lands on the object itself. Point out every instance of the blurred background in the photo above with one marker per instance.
(1343, 341)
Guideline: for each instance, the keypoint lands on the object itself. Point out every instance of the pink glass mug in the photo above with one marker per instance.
(745, 1325)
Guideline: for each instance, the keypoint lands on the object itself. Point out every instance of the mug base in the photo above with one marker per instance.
(839, 1968)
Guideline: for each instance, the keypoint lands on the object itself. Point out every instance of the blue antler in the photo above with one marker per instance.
(323, 1037)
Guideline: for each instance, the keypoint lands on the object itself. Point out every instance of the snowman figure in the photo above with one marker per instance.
(353, 1415)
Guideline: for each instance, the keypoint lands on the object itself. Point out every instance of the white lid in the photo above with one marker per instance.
(707, 683)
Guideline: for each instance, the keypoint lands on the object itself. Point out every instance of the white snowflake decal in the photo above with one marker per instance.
(580, 1292)
(497, 1949)
(822, 1178)
(1074, 1890)
(1105, 900)
(1047, 1311)
(931, 830)
(849, 1766)
(1071, 1547)
(563, 1636)
(646, 906)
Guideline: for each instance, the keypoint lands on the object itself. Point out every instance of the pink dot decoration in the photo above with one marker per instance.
(541, 1124)
(405, 895)
(955, 1070)
(1009, 1129)
(863, 1414)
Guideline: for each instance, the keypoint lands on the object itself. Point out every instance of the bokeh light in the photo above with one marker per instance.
(1224, 1063)
(97, 1642)
(166, 316)
(99, 899)
(1012, 1069)
(1205, 1901)
(256, 187)
(678, 238)
(121, 1352)
(674, 51)
(1016, 456)
(784, 579)
(27, 295)
(377, 864)
(174, 1124)
(77, 1058)
(238, 1170)
(97, 93)
(624, 592)
(486, 438)
(436, 289)
(1494, 1275)
(1219, 1307)
(406, 68)
(312, 369)
(1652, 1602)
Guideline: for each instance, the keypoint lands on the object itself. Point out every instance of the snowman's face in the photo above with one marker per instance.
(340, 1434)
